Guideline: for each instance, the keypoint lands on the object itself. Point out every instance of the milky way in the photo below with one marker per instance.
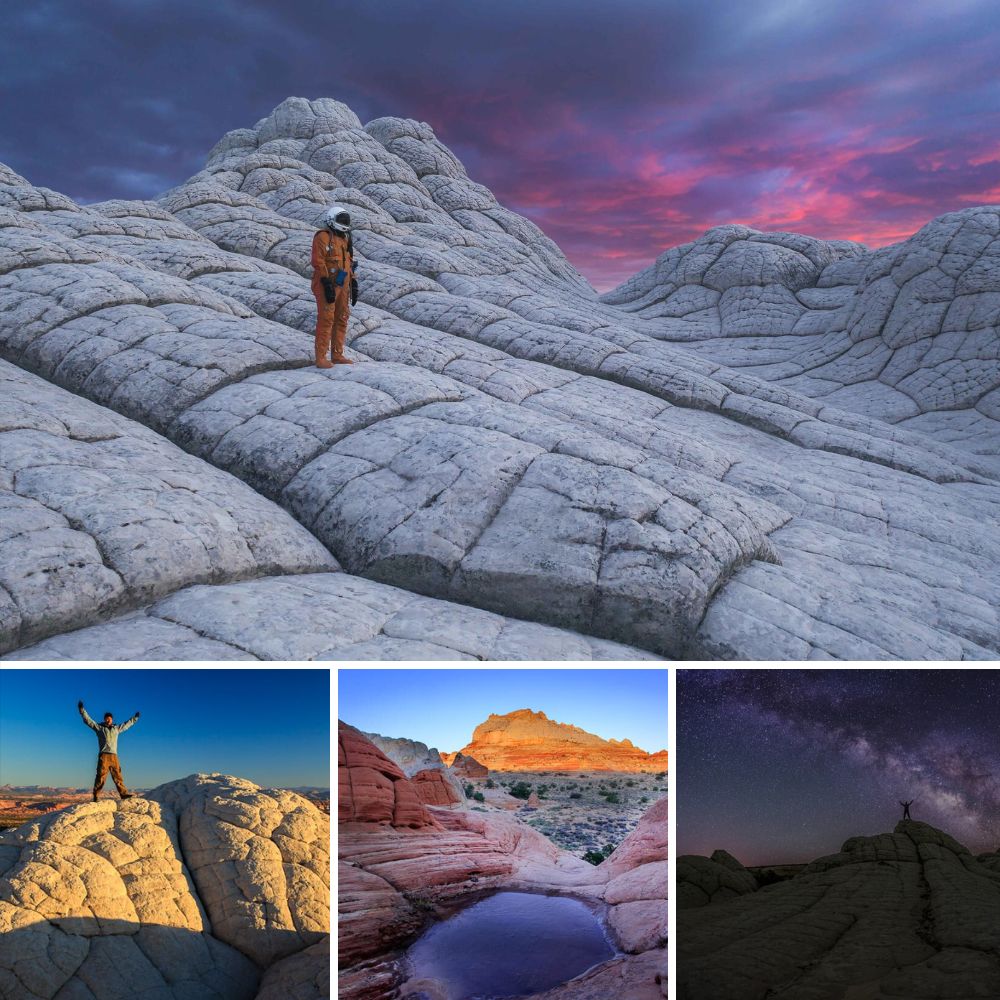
(783, 765)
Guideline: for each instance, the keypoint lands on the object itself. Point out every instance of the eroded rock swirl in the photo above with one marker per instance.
(765, 446)
(207, 888)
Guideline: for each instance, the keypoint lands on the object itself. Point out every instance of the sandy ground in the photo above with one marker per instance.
(578, 824)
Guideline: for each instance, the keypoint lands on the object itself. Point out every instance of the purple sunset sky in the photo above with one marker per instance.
(622, 129)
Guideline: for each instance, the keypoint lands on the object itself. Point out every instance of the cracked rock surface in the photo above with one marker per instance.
(192, 892)
(907, 333)
(521, 445)
(908, 914)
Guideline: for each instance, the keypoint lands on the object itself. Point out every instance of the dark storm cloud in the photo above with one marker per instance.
(621, 128)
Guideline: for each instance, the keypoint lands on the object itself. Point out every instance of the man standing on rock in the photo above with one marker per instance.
(107, 755)
(334, 285)
(906, 808)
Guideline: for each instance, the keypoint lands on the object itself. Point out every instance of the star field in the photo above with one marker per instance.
(784, 765)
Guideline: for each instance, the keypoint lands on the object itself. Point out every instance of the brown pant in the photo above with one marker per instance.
(109, 762)
(331, 321)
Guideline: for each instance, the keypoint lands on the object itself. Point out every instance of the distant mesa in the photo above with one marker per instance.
(910, 913)
(526, 740)
(207, 887)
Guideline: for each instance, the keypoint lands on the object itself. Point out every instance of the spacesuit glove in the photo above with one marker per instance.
(328, 291)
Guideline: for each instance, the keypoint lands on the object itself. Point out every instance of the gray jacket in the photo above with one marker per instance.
(107, 736)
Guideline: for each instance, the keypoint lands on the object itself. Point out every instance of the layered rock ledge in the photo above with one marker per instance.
(408, 863)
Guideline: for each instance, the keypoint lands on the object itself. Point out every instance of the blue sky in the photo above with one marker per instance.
(442, 707)
(270, 726)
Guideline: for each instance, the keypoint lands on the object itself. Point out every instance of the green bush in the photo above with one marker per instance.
(490, 783)
(612, 798)
(479, 797)
(594, 857)
(469, 789)
(575, 795)
(521, 790)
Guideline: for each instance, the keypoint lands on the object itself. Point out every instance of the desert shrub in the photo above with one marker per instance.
(521, 790)
(608, 849)
(490, 783)
(612, 798)
(630, 784)
(479, 797)
(661, 776)
(594, 857)
(575, 795)
(644, 799)
(469, 789)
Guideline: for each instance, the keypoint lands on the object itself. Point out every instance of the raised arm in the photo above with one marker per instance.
(129, 723)
(86, 718)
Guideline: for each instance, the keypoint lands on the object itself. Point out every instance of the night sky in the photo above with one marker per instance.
(621, 128)
(784, 765)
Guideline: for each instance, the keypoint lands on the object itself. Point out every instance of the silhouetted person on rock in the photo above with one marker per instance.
(906, 808)
(107, 754)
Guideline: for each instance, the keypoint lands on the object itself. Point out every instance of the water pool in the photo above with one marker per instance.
(509, 945)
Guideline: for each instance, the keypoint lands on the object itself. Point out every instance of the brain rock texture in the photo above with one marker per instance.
(207, 888)
(908, 914)
(764, 446)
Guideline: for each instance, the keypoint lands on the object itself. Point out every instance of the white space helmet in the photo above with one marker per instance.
(337, 218)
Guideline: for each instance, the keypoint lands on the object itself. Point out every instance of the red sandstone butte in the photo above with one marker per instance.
(529, 741)
(467, 767)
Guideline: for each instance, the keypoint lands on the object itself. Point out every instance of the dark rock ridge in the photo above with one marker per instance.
(905, 914)
(524, 449)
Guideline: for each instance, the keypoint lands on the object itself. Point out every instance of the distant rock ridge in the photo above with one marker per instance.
(910, 914)
(207, 887)
(417, 761)
(526, 740)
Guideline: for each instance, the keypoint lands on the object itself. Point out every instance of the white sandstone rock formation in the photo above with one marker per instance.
(907, 333)
(524, 447)
(193, 892)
